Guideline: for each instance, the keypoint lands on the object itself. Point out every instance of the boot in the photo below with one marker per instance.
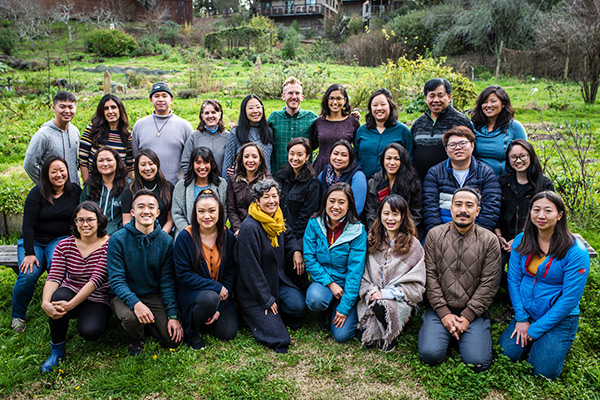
(57, 354)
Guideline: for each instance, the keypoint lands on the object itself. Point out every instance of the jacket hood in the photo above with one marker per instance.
(350, 232)
(143, 240)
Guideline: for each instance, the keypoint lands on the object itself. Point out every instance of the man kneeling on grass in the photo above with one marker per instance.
(141, 273)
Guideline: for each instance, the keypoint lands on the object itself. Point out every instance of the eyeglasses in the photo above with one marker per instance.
(338, 99)
(81, 221)
(457, 145)
(523, 157)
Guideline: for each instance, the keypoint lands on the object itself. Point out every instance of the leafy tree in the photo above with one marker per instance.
(267, 30)
(291, 44)
(573, 29)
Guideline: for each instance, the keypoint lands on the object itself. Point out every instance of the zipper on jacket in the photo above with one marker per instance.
(458, 261)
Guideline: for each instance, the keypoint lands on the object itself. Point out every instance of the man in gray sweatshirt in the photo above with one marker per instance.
(56, 137)
(163, 132)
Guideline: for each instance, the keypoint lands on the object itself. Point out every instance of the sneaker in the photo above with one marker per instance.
(136, 347)
(197, 342)
(18, 325)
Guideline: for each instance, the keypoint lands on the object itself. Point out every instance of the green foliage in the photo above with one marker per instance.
(111, 43)
(9, 40)
(148, 45)
(212, 42)
(413, 32)
(266, 32)
(291, 44)
(13, 193)
(171, 33)
(269, 84)
(405, 79)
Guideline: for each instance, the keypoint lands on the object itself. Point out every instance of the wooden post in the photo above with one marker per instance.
(498, 60)
(566, 73)
(107, 82)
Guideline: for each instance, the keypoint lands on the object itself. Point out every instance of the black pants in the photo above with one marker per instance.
(205, 305)
(92, 318)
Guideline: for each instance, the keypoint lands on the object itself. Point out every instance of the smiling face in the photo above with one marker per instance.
(106, 163)
(58, 175)
(145, 210)
(519, 158)
(254, 111)
(340, 158)
(297, 157)
(86, 223)
(210, 116)
(545, 215)
(391, 161)
(336, 206)
(269, 201)
(201, 168)
(111, 112)
(336, 101)
(459, 148)
(492, 106)
(147, 168)
(380, 108)
(251, 159)
(464, 209)
(390, 219)
(437, 100)
(64, 111)
(161, 101)
(207, 213)
(292, 95)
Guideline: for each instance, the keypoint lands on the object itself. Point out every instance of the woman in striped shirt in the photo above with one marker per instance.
(77, 284)
(109, 127)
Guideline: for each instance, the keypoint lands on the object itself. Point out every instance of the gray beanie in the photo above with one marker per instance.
(160, 87)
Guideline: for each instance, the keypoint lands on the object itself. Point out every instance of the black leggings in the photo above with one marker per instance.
(92, 318)
(205, 305)
(379, 312)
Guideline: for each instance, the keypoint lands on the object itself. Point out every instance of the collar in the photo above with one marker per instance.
(296, 114)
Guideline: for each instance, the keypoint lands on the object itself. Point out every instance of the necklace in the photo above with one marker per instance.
(163, 125)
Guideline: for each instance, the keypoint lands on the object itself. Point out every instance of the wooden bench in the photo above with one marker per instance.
(590, 249)
(8, 257)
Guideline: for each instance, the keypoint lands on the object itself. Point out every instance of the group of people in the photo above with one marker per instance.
(386, 218)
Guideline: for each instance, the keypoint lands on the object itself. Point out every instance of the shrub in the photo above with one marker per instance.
(371, 48)
(147, 45)
(268, 84)
(13, 193)
(212, 42)
(111, 43)
(291, 44)
(9, 41)
(405, 78)
(171, 33)
(413, 32)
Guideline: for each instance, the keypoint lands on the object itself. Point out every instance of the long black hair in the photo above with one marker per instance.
(562, 238)
(95, 182)
(306, 172)
(197, 238)
(242, 132)
(100, 129)
(346, 109)
(534, 171)
(370, 118)
(206, 155)
(407, 183)
(506, 115)
(138, 181)
(351, 215)
(44, 185)
(407, 231)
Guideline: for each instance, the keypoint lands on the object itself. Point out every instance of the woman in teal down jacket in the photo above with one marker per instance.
(335, 246)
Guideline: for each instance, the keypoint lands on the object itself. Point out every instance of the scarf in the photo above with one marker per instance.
(330, 176)
(273, 226)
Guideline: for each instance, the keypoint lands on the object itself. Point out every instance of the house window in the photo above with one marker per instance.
(311, 3)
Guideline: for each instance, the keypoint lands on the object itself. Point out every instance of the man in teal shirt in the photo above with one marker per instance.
(290, 122)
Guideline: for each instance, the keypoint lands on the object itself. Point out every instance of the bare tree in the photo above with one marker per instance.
(156, 13)
(109, 12)
(573, 29)
(65, 13)
(28, 17)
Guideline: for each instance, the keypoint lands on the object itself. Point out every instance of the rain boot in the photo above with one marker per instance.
(57, 354)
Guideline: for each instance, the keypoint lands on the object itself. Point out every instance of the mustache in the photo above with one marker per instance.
(463, 215)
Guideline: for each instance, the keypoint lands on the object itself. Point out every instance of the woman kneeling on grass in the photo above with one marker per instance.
(205, 270)
(547, 272)
(335, 245)
(77, 284)
(394, 279)
(267, 298)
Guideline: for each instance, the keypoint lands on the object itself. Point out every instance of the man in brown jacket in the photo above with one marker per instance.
(463, 272)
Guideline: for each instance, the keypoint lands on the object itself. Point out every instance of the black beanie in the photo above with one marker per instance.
(160, 87)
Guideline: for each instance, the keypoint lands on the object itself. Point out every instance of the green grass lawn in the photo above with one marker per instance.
(316, 367)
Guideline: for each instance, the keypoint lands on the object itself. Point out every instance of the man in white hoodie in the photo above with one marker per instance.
(56, 137)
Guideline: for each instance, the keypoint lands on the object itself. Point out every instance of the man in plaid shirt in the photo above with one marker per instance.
(290, 122)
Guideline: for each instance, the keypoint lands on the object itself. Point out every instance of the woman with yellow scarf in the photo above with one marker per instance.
(267, 298)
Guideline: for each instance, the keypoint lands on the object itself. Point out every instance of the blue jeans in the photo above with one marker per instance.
(291, 305)
(319, 298)
(25, 284)
(475, 343)
(547, 353)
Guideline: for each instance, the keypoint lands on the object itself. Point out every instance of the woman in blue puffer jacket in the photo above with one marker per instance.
(547, 272)
(335, 246)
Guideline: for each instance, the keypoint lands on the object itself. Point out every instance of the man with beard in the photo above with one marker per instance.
(459, 170)
(461, 261)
